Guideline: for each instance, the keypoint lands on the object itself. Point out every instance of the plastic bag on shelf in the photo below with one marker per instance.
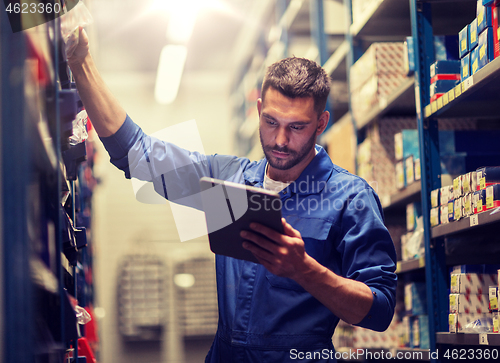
(79, 128)
(79, 16)
(82, 315)
(480, 325)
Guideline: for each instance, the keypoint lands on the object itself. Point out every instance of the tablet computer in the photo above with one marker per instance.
(230, 208)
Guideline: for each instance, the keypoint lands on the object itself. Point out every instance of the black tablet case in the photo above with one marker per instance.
(230, 208)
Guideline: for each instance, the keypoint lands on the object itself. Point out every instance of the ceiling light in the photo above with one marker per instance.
(170, 68)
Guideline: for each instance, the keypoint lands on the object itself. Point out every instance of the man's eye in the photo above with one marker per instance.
(270, 122)
(297, 127)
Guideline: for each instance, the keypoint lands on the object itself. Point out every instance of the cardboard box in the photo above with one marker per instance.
(493, 298)
(472, 283)
(457, 187)
(413, 211)
(409, 56)
(495, 10)
(463, 41)
(406, 144)
(446, 47)
(420, 332)
(415, 298)
(410, 170)
(467, 209)
(442, 86)
(469, 303)
(443, 214)
(496, 323)
(473, 35)
(457, 209)
(435, 197)
(487, 176)
(400, 175)
(465, 71)
(474, 61)
(445, 70)
(434, 216)
(446, 194)
(385, 60)
(479, 201)
(483, 16)
(469, 182)
(485, 47)
(493, 196)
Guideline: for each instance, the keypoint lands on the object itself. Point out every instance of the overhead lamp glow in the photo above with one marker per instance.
(180, 27)
(170, 68)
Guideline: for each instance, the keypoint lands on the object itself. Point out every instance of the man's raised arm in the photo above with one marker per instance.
(103, 108)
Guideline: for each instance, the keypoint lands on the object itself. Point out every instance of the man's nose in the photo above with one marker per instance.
(282, 137)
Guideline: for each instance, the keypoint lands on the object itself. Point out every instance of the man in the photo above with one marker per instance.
(335, 259)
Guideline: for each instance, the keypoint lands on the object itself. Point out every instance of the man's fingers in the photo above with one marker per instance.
(260, 253)
(289, 230)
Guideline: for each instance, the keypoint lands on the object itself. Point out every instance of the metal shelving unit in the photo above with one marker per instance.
(38, 321)
(480, 339)
(474, 98)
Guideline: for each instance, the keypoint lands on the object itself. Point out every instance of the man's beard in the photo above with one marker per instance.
(294, 158)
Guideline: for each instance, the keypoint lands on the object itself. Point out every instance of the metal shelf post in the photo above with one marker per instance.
(435, 266)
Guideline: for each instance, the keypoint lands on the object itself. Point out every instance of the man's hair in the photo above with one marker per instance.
(298, 77)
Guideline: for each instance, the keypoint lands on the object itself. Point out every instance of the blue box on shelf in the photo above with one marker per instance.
(409, 58)
(413, 211)
(415, 298)
(473, 35)
(465, 67)
(485, 47)
(463, 41)
(449, 66)
(483, 16)
(474, 61)
(442, 86)
(406, 144)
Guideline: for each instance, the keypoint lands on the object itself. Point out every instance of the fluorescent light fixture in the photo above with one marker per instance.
(170, 68)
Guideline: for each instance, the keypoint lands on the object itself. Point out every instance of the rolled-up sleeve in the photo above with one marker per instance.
(369, 256)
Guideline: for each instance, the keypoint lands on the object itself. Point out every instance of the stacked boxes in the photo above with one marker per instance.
(376, 156)
(478, 41)
(406, 151)
(375, 76)
(445, 74)
(416, 322)
(473, 297)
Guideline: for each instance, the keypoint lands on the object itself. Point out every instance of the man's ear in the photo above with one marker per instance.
(323, 122)
(259, 105)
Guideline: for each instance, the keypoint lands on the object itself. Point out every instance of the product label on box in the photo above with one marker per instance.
(434, 217)
(493, 298)
(495, 323)
(458, 208)
(452, 322)
(479, 204)
(475, 66)
(467, 205)
(489, 197)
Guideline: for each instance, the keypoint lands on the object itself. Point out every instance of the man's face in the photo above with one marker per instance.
(288, 131)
